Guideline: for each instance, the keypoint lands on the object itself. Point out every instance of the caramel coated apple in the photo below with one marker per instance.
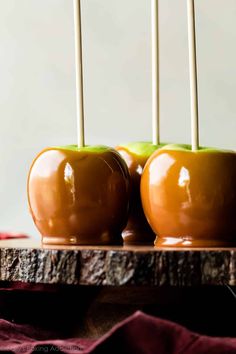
(79, 196)
(136, 155)
(189, 198)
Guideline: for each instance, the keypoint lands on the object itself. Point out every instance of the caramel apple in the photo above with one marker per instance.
(189, 197)
(79, 195)
(135, 155)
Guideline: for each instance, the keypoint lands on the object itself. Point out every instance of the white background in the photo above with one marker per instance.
(37, 88)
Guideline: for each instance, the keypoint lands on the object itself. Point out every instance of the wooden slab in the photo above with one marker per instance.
(27, 261)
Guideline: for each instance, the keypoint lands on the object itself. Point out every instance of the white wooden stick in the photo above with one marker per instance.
(155, 74)
(193, 75)
(79, 74)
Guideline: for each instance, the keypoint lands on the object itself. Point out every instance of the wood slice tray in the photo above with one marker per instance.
(28, 261)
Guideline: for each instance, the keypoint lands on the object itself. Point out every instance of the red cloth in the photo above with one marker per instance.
(139, 333)
(7, 235)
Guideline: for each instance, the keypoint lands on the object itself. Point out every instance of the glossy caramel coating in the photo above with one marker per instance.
(137, 230)
(189, 198)
(79, 197)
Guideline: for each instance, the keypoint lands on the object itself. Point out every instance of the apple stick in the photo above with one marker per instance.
(79, 74)
(155, 74)
(193, 75)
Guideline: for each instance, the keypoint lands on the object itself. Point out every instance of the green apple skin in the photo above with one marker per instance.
(135, 155)
(88, 148)
(142, 149)
(79, 195)
(189, 197)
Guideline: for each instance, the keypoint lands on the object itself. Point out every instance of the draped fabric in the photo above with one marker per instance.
(139, 333)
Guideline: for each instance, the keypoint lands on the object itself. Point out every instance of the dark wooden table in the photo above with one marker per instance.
(83, 291)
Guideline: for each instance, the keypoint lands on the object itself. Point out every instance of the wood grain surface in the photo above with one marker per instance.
(28, 261)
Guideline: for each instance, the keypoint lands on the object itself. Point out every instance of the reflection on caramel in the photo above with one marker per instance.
(79, 197)
(189, 198)
(137, 230)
